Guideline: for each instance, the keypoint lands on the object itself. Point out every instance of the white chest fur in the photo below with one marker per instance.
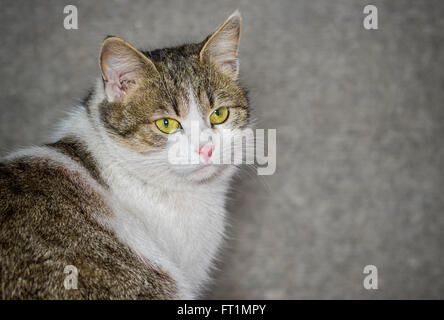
(179, 228)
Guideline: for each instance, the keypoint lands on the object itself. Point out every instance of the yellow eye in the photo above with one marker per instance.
(167, 125)
(219, 116)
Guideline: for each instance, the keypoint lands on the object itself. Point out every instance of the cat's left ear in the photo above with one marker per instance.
(122, 67)
(223, 45)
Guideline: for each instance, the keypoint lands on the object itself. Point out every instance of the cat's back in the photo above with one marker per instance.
(48, 221)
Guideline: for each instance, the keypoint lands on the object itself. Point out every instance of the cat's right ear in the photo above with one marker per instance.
(122, 67)
(223, 45)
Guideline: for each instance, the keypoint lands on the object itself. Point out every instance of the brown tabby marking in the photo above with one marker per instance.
(78, 151)
(47, 222)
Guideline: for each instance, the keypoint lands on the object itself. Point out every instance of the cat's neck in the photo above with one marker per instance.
(176, 224)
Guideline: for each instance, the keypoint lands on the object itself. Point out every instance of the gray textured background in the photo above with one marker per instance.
(359, 118)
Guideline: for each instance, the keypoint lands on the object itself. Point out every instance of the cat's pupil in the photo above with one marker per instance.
(165, 123)
(216, 112)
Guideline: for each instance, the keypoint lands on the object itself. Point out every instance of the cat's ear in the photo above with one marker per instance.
(122, 67)
(223, 45)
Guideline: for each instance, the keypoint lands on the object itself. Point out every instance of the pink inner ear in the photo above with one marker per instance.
(118, 80)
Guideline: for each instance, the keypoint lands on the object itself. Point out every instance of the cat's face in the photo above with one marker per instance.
(176, 109)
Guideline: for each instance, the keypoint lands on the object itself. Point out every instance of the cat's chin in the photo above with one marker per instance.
(205, 173)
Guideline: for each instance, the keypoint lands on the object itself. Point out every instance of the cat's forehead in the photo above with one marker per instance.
(180, 66)
(184, 77)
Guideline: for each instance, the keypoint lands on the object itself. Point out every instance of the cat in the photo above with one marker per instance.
(102, 197)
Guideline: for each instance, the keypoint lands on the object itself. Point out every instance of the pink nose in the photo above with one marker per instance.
(206, 151)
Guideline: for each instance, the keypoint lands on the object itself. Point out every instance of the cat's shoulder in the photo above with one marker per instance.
(48, 221)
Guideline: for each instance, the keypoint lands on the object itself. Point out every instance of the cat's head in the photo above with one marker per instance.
(171, 109)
